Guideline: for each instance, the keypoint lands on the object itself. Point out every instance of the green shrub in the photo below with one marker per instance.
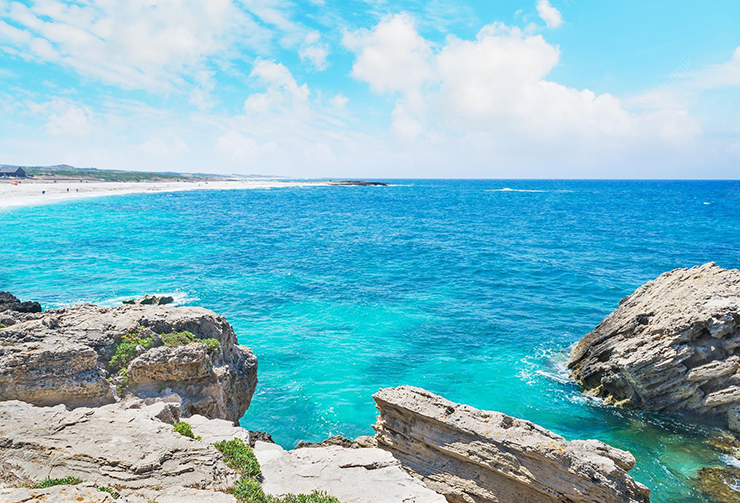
(3, 326)
(249, 490)
(213, 344)
(66, 481)
(185, 430)
(314, 497)
(125, 351)
(108, 490)
(175, 339)
(240, 457)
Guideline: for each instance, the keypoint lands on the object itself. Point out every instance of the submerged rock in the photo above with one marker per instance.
(470, 455)
(151, 300)
(672, 346)
(88, 355)
(720, 484)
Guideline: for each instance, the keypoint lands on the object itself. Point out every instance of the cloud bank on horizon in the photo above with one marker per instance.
(534, 88)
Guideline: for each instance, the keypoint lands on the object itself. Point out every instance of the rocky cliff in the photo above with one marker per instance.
(470, 455)
(88, 355)
(672, 346)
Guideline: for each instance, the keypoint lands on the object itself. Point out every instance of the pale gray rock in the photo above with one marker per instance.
(57, 494)
(350, 475)
(108, 446)
(672, 346)
(62, 356)
(475, 456)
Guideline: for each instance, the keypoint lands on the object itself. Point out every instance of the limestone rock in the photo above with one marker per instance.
(63, 356)
(57, 494)
(350, 475)
(470, 455)
(672, 346)
(107, 446)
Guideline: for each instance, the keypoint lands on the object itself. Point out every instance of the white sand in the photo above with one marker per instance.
(30, 193)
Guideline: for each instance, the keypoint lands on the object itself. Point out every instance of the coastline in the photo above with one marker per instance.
(35, 193)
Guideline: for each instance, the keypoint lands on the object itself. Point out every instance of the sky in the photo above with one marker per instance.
(374, 88)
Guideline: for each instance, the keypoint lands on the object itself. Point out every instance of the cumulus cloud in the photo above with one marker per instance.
(549, 14)
(283, 92)
(392, 56)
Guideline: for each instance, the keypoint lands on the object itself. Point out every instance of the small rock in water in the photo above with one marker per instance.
(151, 300)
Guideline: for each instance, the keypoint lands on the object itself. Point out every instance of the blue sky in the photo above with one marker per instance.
(480, 89)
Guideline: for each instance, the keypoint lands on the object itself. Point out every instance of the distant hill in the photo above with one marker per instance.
(67, 172)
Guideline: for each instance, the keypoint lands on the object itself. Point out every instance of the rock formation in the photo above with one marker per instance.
(10, 302)
(672, 346)
(361, 475)
(469, 455)
(109, 446)
(88, 355)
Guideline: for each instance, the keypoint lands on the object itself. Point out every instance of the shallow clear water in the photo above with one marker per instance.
(460, 287)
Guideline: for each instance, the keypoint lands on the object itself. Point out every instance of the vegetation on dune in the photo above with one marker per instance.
(103, 174)
(240, 457)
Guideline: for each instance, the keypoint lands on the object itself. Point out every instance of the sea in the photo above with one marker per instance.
(472, 289)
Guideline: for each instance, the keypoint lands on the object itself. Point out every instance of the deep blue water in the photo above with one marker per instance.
(465, 289)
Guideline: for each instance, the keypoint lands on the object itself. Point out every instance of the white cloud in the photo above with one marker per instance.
(314, 52)
(156, 46)
(283, 92)
(65, 118)
(339, 102)
(549, 14)
(716, 76)
(392, 56)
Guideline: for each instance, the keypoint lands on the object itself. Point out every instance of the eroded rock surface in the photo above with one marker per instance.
(672, 346)
(361, 475)
(63, 356)
(108, 446)
(470, 455)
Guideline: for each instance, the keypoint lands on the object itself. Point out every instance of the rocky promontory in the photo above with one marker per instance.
(672, 346)
(88, 355)
(471, 455)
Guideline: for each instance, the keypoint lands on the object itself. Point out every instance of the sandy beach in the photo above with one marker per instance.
(31, 193)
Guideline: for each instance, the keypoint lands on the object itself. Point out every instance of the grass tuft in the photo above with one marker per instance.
(213, 344)
(240, 457)
(66, 481)
(115, 495)
(176, 339)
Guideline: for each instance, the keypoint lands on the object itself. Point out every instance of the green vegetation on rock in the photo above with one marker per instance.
(213, 344)
(240, 457)
(185, 430)
(125, 351)
(66, 481)
(176, 339)
(115, 495)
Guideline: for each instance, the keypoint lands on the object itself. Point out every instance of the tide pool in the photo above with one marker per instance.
(472, 289)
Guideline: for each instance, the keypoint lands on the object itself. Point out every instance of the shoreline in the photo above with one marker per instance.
(36, 193)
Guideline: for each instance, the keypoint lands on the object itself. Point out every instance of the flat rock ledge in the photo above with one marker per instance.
(673, 346)
(63, 356)
(474, 456)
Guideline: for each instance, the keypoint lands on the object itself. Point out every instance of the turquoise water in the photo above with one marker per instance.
(460, 287)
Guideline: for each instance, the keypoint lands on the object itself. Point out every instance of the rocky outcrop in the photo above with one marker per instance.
(351, 475)
(10, 302)
(672, 346)
(152, 300)
(109, 446)
(89, 355)
(469, 455)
